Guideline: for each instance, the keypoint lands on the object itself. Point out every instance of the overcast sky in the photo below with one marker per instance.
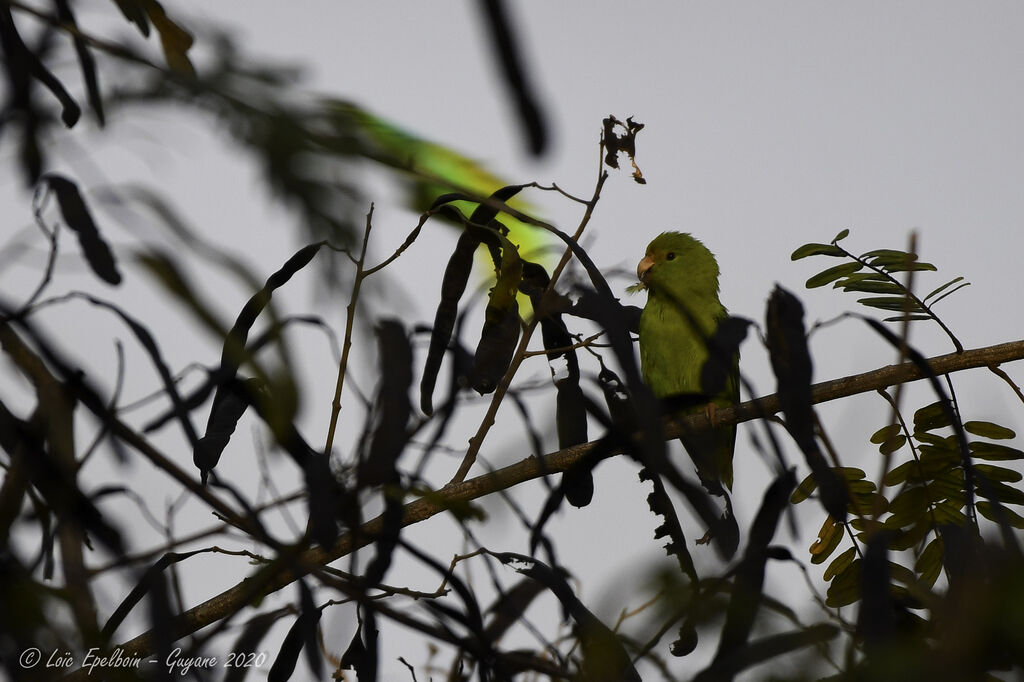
(768, 125)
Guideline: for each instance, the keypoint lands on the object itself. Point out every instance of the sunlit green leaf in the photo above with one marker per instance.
(861, 487)
(911, 267)
(949, 512)
(1012, 517)
(1002, 492)
(885, 433)
(902, 573)
(804, 490)
(907, 507)
(893, 444)
(906, 318)
(910, 537)
(939, 289)
(935, 440)
(829, 537)
(840, 563)
(994, 473)
(850, 473)
(947, 485)
(832, 274)
(951, 291)
(931, 417)
(888, 255)
(868, 504)
(994, 451)
(870, 286)
(901, 473)
(989, 430)
(845, 587)
(813, 249)
(929, 564)
(936, 460)
(893, 303)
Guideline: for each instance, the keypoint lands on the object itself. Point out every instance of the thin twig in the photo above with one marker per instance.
(998, 371)
(350, 319)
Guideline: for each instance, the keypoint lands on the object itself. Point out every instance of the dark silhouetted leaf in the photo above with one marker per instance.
(791, 362)
(453, 284)
(625, 143)
(134, 11)
(393, 408)
(500, 334)
(23, 64)
(85, 60)
(302, 634)
(510, 606)
(78, 218)
(876, 619)
(723, 354)
(456, 276)
(234, 353)
(661, 504)
(604, 657)
(617, 400)
(769, 648)
(355, 655)
(224, 416)
(507, 52)
(142, 588)
(749, 578)
(252, 634)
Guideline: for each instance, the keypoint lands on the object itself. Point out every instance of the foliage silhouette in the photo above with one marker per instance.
(926, 554)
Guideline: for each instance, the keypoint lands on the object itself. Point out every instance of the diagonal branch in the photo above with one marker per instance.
(236, 598)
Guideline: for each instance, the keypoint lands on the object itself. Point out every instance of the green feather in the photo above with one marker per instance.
(682, 312)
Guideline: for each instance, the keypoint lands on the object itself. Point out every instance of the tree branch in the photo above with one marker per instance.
(234, 599)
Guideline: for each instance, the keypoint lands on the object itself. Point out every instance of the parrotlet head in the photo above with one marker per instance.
(678, 264)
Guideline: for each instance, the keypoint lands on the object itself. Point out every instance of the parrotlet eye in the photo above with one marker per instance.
(670, 256)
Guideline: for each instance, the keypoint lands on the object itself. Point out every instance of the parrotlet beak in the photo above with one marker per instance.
(643, 267)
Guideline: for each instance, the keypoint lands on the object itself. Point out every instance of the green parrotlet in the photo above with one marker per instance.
(682, 313)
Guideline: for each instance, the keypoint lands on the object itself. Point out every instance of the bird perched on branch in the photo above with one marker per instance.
(682, 313)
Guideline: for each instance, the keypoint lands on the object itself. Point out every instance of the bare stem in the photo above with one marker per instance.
(350, 319)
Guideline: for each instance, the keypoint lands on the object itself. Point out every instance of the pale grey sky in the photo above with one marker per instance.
(768, 125)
